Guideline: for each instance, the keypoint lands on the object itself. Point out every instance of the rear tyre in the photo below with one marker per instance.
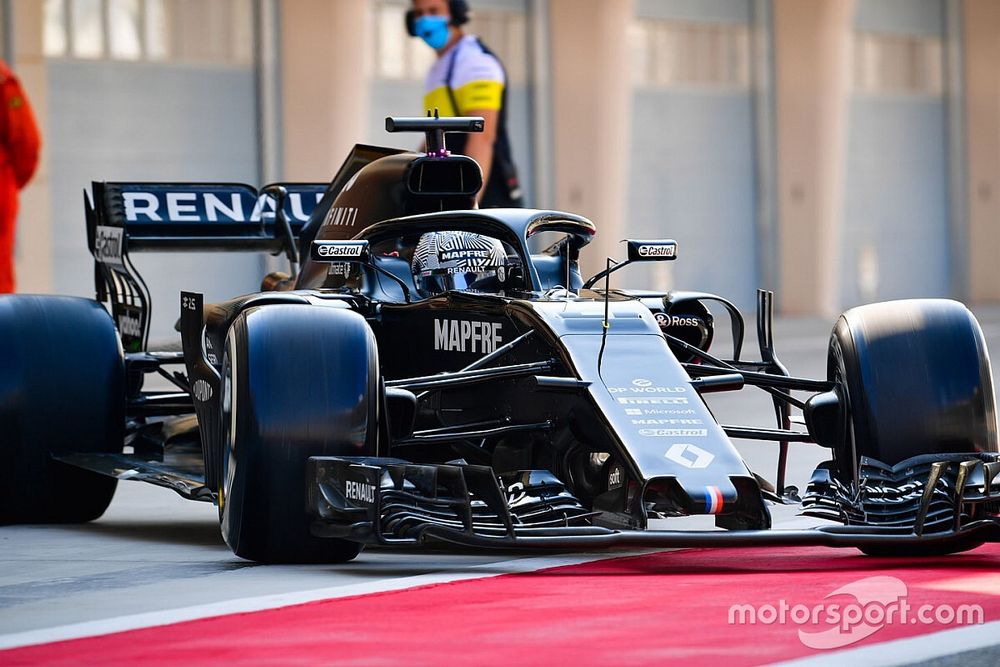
(61, 390)
(916, 379)
(298, 381)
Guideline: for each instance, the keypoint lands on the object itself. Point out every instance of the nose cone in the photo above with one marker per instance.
(673, 497)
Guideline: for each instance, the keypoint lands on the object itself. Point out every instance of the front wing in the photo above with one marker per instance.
(391, 502)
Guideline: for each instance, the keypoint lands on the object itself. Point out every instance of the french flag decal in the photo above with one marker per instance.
(713, 499)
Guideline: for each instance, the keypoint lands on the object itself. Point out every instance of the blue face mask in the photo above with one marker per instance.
(433, 30)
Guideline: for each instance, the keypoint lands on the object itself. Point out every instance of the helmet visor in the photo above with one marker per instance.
(443, 280)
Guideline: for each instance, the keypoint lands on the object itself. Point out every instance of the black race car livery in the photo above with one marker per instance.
(429, 372)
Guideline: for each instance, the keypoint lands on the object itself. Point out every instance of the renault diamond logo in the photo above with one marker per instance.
(689, 455)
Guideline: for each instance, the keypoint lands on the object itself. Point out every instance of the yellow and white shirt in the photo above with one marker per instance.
(475, 77)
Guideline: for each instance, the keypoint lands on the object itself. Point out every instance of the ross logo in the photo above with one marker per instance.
(201, 390)
(359, 491)
(689, 456)
(109, 245)
(665, 321)
(467, 336)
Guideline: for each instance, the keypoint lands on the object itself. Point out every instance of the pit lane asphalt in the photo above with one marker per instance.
(154, 552)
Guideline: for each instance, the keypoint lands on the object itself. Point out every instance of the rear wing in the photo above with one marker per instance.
(138, 217)
(169, 217)
(200, 216)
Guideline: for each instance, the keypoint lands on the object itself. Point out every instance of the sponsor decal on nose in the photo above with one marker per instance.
(713, 500)
(689, 456)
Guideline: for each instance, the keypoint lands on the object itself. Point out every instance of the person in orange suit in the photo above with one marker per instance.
(20, 142)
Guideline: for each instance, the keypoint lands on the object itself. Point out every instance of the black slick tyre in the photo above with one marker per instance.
(916, 379)
(61, 391)
(298, 381)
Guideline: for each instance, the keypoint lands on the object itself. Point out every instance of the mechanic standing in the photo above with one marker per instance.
(467, 79)
(20, 142)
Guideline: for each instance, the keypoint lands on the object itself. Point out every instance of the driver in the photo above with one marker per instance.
(444, 261)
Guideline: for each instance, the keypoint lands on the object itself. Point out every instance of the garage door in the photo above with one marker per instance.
(149, 90)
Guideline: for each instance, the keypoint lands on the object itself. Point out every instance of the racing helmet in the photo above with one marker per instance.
(451, 260)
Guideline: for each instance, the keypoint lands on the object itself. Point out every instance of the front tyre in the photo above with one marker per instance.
(915, 378)
(298, 381)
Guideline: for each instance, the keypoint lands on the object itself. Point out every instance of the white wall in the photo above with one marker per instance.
(155, 122)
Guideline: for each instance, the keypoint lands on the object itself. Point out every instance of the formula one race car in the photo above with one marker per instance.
(441, 374)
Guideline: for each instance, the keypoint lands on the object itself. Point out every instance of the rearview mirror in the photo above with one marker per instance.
(652, 250)
(656, 250)
(339, 251)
